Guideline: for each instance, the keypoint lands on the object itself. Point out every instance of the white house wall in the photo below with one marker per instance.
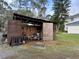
(65, 27)
(70, 21)
(73, 29)
(76, 19)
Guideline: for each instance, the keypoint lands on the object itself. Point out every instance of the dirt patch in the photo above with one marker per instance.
(41, 43)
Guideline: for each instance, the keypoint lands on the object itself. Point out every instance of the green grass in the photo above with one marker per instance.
(65, 36)
(68, 39)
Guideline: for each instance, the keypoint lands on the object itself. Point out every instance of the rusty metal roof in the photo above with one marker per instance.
(27, 18)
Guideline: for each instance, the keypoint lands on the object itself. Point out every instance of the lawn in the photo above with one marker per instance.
(65, 47)
(69, 39)
(65, 36)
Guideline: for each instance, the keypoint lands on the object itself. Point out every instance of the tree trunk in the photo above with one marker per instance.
(54, 31)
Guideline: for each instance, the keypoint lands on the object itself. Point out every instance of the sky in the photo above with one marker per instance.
(74, 9)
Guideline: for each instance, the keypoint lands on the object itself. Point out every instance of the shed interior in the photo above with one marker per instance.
(30, 26)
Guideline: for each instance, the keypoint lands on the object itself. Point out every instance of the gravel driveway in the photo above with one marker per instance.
(4, 54)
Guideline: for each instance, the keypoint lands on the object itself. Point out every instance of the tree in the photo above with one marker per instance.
(23, 7)
(36, 8)
(24, 12)
(42, 9)
(61, 8)
(4, 7)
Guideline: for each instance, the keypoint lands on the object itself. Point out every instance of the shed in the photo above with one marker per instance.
(24, 25)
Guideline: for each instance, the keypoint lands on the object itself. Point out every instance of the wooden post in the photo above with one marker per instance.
(47, 31)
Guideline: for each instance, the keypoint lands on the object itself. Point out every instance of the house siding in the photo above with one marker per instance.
(71, 19)
(73, 29)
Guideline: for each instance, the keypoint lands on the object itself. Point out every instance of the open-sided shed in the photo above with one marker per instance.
(26, 26)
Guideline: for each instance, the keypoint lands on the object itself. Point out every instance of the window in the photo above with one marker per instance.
(72, 19)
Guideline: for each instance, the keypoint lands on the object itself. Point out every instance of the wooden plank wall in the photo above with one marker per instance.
(14, 29)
